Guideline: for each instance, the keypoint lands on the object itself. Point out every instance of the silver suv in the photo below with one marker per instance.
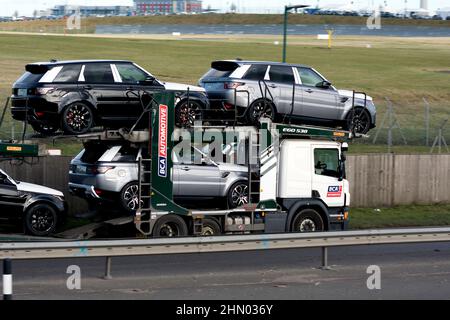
(268, 89)
(108, 174)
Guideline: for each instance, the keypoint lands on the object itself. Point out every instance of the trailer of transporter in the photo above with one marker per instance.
(296, 176)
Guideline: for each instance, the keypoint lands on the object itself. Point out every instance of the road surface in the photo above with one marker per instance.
(412, 271)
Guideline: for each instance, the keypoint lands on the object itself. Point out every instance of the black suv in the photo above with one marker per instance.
(39, 208)
(75, 96)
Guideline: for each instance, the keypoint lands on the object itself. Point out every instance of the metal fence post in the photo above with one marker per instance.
(7, 279)
(107, 275)
(325, 259)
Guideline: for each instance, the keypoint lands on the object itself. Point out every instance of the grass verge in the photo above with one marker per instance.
(399, 217)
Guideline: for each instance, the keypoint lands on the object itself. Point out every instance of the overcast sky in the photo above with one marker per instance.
(26, 7)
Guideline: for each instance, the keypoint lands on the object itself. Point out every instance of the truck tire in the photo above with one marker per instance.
(40, 220)
(170, 226)
(211, 228)
(308, 220)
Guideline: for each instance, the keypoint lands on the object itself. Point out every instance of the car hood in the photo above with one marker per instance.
(35, 188)
(182, 87)
(349, 94)
(232, 167)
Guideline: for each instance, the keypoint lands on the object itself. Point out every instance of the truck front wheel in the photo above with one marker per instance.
(170, 226)
(308, 220)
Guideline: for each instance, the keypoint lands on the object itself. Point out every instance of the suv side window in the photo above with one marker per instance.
(98, 73)
(130, 73)
(309, 77)
(69, 73)
(281, 74)
(326, 162)
(256, 72)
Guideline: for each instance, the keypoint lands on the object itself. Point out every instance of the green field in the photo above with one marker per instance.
(398, 217)
(405, 70)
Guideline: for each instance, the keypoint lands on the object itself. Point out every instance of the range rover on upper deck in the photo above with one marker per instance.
(76, 96)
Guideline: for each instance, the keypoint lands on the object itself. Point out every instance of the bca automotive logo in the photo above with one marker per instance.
(162, 141)
(334, 191)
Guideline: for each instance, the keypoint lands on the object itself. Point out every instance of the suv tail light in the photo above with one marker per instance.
(100, 169)
(232, 85)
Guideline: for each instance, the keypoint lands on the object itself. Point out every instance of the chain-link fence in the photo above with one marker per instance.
(411, 123)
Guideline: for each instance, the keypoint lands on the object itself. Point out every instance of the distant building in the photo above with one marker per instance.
(167, 6)
(64, 10)
(444, 13)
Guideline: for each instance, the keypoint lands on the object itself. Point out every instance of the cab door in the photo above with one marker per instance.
(325, 180)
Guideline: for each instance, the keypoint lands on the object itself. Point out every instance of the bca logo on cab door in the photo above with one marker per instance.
(162, 141)
(334, 191)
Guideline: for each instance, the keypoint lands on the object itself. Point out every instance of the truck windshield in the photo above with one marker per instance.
(326, 162)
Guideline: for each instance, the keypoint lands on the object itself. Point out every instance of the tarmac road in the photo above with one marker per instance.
(412, 271)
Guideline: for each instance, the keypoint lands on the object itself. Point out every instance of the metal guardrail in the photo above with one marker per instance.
(114, 248)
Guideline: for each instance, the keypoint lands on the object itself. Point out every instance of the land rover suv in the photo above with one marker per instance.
(107, 174)
(76, 96)
(269, 89)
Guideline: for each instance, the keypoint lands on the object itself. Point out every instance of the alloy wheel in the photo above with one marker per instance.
(239, 195)
(361, 121)
(262, 109)
(188, 114)
(131, 197)
(42, 220)
(78, 117)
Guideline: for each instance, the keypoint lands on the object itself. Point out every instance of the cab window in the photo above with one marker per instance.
(309, 77)
(326, 162)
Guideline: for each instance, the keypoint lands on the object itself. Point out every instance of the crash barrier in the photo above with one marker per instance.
(375, 179)
(145, 247)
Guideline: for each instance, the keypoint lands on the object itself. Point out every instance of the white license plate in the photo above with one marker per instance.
(22, 92)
